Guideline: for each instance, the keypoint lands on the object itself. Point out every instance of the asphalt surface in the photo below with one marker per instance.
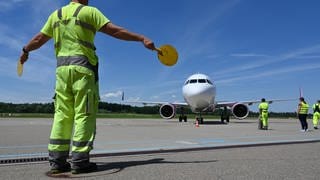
(163, 149)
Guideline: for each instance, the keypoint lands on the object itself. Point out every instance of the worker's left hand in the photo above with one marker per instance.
(148, 43)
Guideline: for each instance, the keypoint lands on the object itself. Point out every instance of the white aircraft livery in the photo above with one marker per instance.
(199, 93)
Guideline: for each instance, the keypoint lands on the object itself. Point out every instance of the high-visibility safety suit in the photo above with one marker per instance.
(263, 107)
(73, 29)
(316, 114)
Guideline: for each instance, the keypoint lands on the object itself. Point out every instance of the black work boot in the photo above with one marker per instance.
(59, 168)
(84, 168)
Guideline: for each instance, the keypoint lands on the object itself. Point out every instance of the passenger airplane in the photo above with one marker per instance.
(199, 93)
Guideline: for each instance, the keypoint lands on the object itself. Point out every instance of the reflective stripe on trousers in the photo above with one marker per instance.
(76, 104)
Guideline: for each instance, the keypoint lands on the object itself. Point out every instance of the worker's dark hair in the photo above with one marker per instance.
(302, 99)
(318, 101)
(263, 100)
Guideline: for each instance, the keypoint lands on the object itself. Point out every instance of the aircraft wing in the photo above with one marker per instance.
(231, 103)
(158, 103)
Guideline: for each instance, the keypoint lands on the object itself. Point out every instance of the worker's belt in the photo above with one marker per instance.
(79, 61)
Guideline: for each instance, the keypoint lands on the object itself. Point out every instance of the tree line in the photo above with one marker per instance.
(49, 108)
(105, 107)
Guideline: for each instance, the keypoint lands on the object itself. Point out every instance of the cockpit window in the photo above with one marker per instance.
(193, 81)
(202, 81)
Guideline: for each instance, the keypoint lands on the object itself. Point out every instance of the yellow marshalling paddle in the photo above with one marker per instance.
(167, 55)
(19, 68)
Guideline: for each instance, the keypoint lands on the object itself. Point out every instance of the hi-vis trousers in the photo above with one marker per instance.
(76, 104)
(264, 118)
(316, 117)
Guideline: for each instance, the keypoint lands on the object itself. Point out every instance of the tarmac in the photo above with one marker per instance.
(24, 142)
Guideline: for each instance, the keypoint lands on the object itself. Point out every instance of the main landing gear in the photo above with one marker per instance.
(225, 118)
(182, 116)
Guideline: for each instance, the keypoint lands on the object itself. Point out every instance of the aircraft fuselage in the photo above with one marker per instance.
(199, 92)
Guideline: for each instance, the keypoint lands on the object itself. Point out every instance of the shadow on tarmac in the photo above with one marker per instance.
(245, 122)
(213, 123)
(116, 167)
(225, 123)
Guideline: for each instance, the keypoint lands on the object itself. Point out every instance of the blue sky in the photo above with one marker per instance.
(250, 49)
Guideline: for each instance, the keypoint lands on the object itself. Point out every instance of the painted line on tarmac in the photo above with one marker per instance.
(22, 155)
(173, 149)
(24, 147)
(185, 141)
(195, 145)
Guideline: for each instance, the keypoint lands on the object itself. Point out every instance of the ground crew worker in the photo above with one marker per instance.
(316, 114)
(263, 113)
(225, 115)
(302, 111)
(73, 28)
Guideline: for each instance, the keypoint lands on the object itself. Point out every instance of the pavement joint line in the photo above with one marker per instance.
(167, 150)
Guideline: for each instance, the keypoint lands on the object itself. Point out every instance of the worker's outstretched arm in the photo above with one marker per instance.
(35, 43)
(123, 34)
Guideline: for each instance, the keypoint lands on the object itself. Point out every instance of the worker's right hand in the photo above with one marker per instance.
(23, 57)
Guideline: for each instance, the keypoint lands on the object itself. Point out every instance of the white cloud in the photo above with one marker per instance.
(7, 66)
(270, 60)
(112, 95)
(155, 97)
(7, 5)
(43, 13)
(309, 57)
(197, 45)
(270, 73)
(8, 38)
(247, 55)
(133, 99)
(40, 65)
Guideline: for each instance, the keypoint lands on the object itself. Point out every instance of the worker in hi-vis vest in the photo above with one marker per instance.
(263, 113)
(316, 114)
(302, 111)
(73, 28)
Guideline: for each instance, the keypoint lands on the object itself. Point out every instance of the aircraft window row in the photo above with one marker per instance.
(193, 81)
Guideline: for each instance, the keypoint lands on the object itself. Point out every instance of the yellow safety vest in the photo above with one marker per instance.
(73, 28)
(316, 108)
(304, 107)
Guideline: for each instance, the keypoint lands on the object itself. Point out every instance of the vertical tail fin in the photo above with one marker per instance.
(300, 92)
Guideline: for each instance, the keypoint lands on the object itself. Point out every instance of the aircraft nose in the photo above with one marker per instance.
(199, 97)
(201, 92)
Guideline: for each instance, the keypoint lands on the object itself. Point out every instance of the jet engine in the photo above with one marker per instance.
(240, 111)
(167, 111)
